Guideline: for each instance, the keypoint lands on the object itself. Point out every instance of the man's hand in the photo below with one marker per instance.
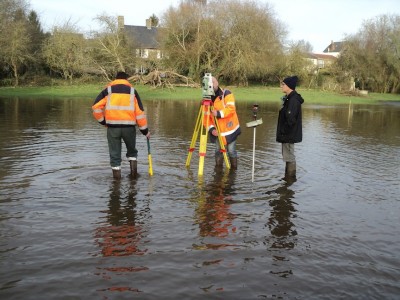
(215, 113)
(148, 135)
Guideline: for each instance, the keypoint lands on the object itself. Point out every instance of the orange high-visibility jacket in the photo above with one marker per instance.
(228, 121)
(119, 105)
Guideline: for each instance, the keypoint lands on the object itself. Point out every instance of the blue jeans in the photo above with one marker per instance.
(115, 136)
(231, 148)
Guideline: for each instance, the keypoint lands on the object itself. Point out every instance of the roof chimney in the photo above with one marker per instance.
(121, 22)
(331, 46)
(148, 23)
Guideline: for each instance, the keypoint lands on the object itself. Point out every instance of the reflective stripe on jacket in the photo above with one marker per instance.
(228, 121)
(117, 105)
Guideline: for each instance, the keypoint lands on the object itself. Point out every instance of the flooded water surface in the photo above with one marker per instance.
(69, 231)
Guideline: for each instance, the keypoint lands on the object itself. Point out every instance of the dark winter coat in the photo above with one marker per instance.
(289, 129)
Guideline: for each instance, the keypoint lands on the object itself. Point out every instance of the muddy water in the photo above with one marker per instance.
(68, 231)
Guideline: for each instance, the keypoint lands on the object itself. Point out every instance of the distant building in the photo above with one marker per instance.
(321, 61)
(334, 48)
(145, 38)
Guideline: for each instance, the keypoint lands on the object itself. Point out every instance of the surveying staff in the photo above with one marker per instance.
(228, 123)
(289, 129)
(119, 108)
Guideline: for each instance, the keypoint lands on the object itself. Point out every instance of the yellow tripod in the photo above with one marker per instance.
(202, 127)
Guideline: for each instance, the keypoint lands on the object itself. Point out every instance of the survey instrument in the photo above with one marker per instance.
(202, 126)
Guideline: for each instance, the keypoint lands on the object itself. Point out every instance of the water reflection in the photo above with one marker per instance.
(281, 226)
(62, 218)
(213, 212)
(280, 221)
(122, 234)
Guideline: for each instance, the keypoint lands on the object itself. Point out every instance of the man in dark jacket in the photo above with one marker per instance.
(289, 129)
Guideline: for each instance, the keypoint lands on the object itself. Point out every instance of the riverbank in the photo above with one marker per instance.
(253, 94)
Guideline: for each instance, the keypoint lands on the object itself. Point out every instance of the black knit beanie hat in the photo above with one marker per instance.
(291, 82)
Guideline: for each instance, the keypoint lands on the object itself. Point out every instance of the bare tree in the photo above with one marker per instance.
(296, 62)
(243, 44)
(372, 56)
(180, 34)
(111, 50)
(64, 51)
(154, 20)
(15, 41)
(251, 42)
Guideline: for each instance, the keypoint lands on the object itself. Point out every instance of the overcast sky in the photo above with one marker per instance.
(315, 21)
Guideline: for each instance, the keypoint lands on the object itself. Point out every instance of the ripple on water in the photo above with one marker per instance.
(65, 222)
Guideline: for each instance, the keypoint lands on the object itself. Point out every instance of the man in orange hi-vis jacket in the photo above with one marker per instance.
(224, 109)
(119, 108)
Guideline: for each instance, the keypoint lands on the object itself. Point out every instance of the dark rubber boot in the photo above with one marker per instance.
(219, 161)
(133, 164)
(290, 170)
(234, 163)
(116, 173)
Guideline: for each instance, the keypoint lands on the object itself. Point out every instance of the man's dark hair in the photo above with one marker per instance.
(121, 75)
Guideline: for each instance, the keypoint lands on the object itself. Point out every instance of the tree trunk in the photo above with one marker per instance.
(15, 71)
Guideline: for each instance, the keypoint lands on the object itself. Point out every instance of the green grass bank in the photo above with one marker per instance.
(253, 94)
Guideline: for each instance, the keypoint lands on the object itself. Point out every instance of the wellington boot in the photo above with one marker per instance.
(290, 171)
(219, 161)
(116, 173)
(133, 164)
(234, 163)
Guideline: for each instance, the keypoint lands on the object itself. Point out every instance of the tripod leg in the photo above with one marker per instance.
(203, 140)
(194, 137)
(221, 144)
